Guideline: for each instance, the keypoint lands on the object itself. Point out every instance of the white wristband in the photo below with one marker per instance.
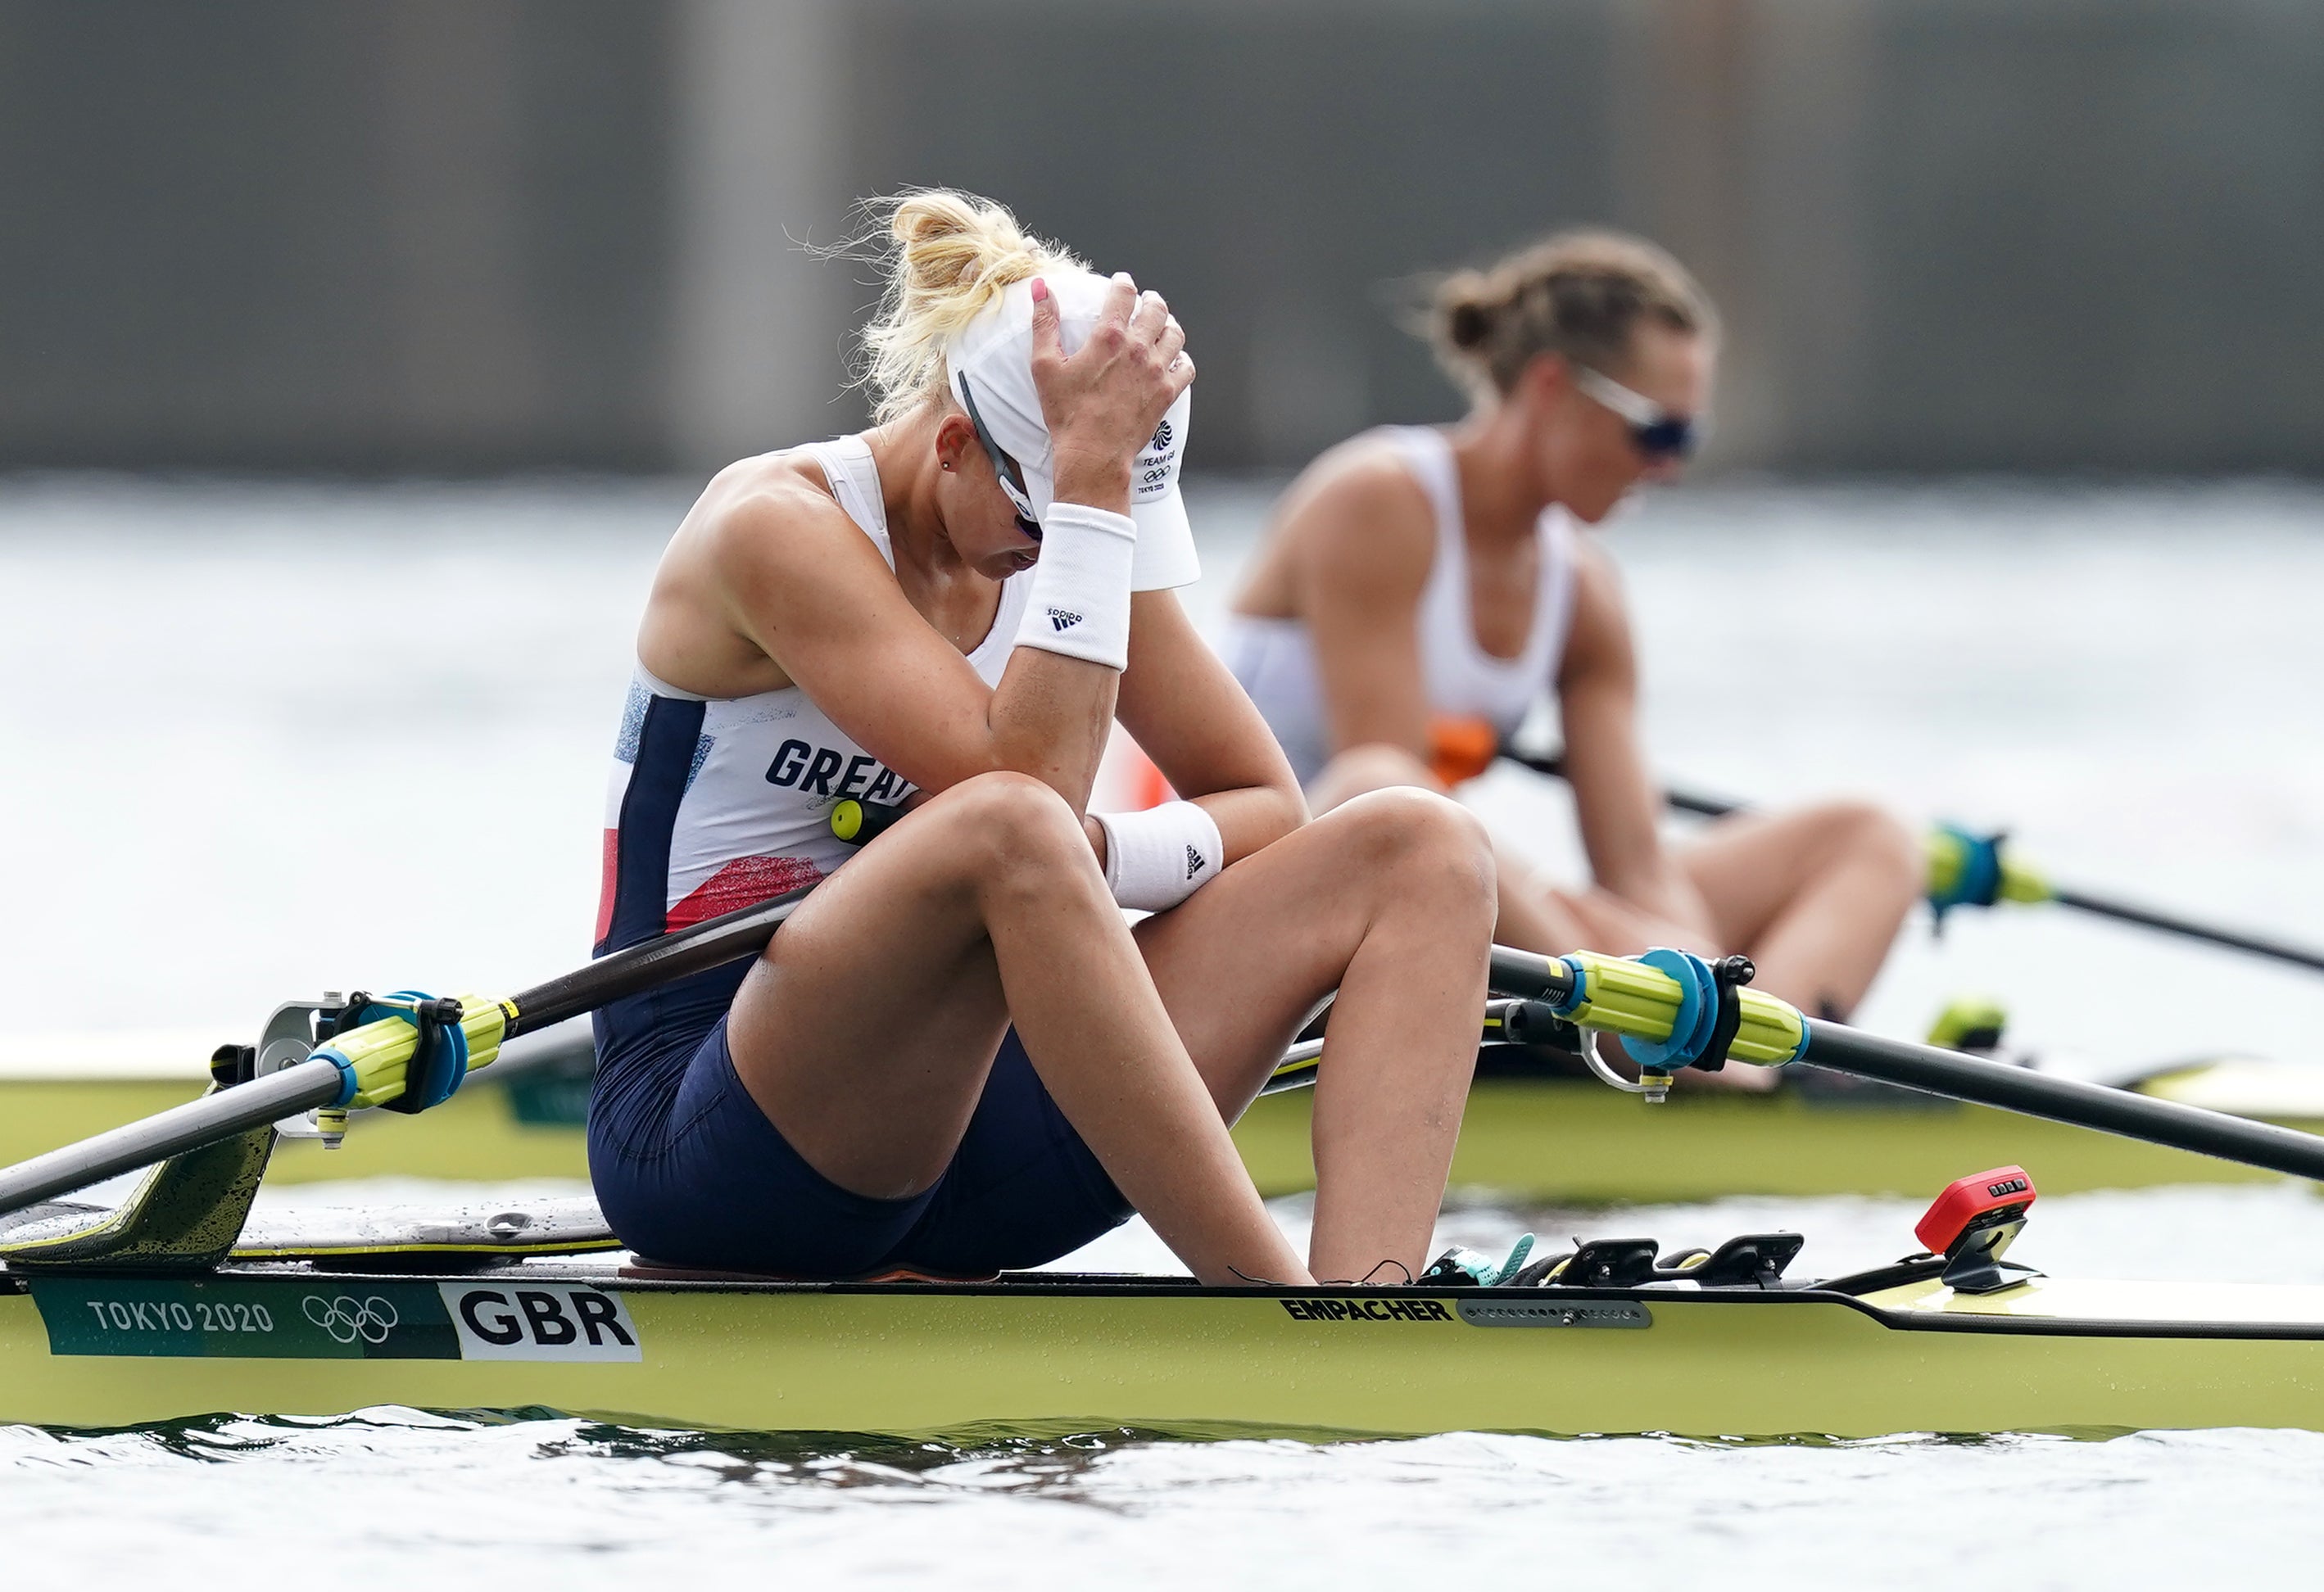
(1081, 586)
(1155, 859)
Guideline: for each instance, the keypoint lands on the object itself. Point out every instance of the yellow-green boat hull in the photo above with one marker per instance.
(1046, 1357)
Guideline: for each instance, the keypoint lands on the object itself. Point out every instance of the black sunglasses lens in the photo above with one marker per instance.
(1666, 439)
(1012, 481)
(1013, 484)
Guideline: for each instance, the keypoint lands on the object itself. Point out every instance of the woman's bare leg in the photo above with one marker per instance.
(1534, 913)
(1390, 898)
(1814, 897)
(866, 1031)
(1533, 916)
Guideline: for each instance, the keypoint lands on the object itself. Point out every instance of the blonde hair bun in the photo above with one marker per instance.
(1579, 294)
(947, 257)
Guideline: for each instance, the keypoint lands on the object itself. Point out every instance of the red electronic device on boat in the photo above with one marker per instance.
(1987, 1195)
(1973, 1221)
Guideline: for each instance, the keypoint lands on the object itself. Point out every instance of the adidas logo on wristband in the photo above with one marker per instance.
(1059, 620)
(1196, 862)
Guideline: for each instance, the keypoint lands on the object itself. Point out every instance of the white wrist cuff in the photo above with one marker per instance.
(1081, 586)
(1155, 859)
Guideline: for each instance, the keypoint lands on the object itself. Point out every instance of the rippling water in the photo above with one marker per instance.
(377, 1499)
(229, 699)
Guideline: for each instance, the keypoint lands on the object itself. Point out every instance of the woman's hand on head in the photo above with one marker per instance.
(1104, 402)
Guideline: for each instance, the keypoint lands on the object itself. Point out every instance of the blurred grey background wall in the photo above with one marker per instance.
(480, 234)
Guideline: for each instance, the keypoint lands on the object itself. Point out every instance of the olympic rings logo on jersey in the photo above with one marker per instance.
(371, 1319)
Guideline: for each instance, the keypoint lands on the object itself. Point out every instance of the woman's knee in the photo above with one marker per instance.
(1009, 826)
(1359, 769)
(1868, 832)
(1404, 839)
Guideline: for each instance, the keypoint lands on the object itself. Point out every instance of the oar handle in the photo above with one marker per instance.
(206, 1121)
(859, 822)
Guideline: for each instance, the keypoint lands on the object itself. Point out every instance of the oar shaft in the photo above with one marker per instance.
(1703, 806)
(189, 1127)
(2284, 950)
(1684, 801)
(1961, 1077)
(1529, 975)
(2146, 917)
(629, 972)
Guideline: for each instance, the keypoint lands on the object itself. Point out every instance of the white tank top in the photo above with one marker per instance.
(1274, 659)
(721, 803)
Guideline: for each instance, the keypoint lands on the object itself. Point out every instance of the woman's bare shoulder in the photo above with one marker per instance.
(773, 514)
(1364, 480)
(1358, 509)
(764, 544)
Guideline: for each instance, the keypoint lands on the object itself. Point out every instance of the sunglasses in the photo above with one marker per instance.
(1659, 434)
(1012, 479)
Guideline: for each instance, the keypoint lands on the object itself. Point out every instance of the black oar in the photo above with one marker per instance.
(1842, 1049)
(311, 1084)
(1704, 807)
(2170, 924)
(2013, 881)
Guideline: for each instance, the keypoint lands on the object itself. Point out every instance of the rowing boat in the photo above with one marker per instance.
(597, 1336)
(1533, 1133)
(176, 1304)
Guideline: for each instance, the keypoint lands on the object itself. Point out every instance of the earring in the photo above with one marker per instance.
(947, 463)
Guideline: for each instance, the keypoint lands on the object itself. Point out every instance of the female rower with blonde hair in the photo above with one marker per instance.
(957, 1055)
(1420, 589)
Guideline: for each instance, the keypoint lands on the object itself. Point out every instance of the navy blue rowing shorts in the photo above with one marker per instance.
(689, 1172)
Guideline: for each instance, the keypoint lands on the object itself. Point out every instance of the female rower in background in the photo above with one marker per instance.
(958, 1056)
(1420, 588)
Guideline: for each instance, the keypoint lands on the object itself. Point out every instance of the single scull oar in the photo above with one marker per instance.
(377, 1053)
(1967, 870)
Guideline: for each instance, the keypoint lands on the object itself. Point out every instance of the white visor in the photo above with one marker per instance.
(990, 367)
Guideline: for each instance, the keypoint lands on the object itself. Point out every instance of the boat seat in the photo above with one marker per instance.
(449, 1231)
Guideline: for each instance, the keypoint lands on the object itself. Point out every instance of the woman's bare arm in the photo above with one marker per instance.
(1615, 799)
(1190, 717)
(814, 595)
(808, 588)
(1364, 547)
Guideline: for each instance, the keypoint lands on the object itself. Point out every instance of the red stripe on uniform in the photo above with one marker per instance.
(607, 880)
(744, 882)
